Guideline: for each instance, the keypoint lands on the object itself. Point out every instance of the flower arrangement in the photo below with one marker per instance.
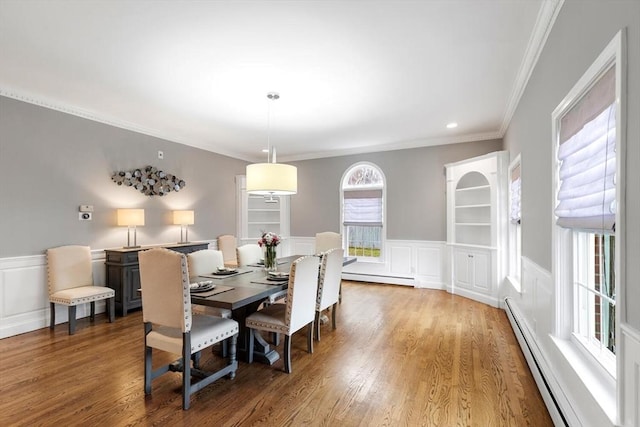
(269, 239)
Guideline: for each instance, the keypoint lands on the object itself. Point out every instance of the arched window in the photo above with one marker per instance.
(363, 211)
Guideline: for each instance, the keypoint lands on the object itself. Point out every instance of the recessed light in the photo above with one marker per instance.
(452, 125)
(265, 150)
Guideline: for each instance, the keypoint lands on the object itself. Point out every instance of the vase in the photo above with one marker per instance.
(270, 263)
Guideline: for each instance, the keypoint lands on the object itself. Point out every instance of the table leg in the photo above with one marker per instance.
(262, 351)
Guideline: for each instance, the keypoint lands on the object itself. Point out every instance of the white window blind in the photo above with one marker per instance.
(363, 207)
(515, 189)
(587, 195)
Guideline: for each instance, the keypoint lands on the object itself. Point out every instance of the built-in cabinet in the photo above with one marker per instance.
(477, 225)
(257, 214)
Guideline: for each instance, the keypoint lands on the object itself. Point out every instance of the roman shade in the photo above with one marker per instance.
(363, 207)
(587, 195)
(515, 190)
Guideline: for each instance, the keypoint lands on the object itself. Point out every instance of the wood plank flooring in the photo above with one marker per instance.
(400, 357)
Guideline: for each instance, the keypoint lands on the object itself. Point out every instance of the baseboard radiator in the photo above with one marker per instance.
(555, 411)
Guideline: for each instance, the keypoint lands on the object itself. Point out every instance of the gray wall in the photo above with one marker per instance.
(416, 197)
(580, 33)
(51, 162)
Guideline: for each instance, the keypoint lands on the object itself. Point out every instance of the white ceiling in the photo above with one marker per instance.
(354, 76)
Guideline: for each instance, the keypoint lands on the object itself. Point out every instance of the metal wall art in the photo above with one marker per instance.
(150, 181)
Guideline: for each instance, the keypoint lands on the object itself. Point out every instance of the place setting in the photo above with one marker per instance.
(224, 272)
(274, 278)
(206, 288)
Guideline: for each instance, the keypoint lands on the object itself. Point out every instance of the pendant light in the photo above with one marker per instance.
(271, 178)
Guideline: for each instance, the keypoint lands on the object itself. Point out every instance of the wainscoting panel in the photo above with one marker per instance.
(401, 260)
(301, 246)
(631, 379)
(406, 262)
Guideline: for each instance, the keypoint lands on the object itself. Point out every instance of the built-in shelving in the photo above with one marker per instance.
(258, 214)
(476, 194)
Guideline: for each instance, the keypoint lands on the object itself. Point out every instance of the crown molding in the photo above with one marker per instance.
(417, 143)
(544, 23)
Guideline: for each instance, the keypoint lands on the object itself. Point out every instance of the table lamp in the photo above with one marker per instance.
(131, 218)
(184, 219)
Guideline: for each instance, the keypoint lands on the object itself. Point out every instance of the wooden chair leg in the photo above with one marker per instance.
(92, 316)
(72, 319)
(148, 368)
(334, 307)
(52, 321)
(310, 337)
(275, 337)
(232, 353)
(317, 323)
(250, 346)
(111, 308)
(224, 348)
(186, 371)
(196, 360)
(287, 354)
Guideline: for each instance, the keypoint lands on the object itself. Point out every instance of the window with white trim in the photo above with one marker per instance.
(586, 130)
(363, 198)
(515, 222)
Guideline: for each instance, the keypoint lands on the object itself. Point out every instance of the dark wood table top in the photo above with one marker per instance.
(244, 291)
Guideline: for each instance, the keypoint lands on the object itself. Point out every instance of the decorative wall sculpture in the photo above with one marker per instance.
(150, 181)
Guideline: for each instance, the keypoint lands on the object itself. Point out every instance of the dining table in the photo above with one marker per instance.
(243, 292)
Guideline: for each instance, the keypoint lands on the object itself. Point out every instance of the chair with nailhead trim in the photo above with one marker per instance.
(329, 285)
(298, 312)
(70, 280)
(170, 326)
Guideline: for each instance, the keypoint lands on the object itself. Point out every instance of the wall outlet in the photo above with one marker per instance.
(85, 216)
(160, 155)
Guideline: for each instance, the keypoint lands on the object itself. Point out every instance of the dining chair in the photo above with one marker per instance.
(329, 286)
(327, 240)
(248, 254)
(228, 244)
(299, 311)
(70, 280)
(169, 325)
(207, 261)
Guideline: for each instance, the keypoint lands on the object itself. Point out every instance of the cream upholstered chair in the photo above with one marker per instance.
(227, 244)
(327, 240)
(169, 325)
(329, 285)
(296, 313)
(70, 279)
(250, 253)
(207, 261)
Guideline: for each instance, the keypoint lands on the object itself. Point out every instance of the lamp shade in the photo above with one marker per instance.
(130, 217)
(272, 179)
(183, 218)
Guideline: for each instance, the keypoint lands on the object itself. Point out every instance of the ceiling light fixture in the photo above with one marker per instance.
(452, 125)
(271, 178)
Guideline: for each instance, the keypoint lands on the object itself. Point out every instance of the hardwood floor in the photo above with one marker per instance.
(400, 357)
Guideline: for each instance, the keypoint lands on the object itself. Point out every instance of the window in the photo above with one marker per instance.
(515, 220)
(586, 259)
(363, 211)
(595, 293)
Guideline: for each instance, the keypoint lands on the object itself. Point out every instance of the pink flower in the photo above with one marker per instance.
(269, 239)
